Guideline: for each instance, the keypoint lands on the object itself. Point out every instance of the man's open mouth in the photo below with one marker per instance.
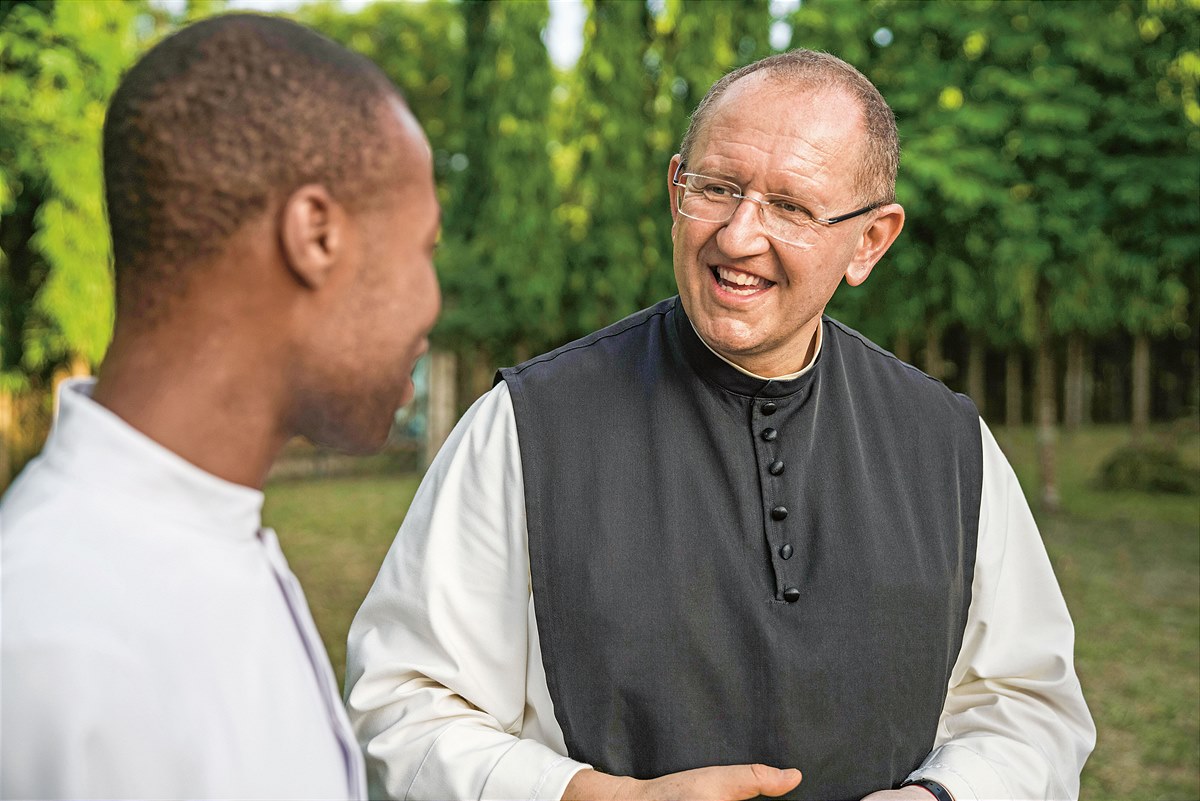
(737, 282)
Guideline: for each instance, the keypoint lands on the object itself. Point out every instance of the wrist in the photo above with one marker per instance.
(934, 789)
(592, 785)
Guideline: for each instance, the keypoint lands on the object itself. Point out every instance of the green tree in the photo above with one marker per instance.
(1148, 130)
(503, 273)
(420, 47)
(59, 62)
(611, 233)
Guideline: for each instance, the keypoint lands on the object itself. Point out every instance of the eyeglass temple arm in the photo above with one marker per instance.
(851, 215)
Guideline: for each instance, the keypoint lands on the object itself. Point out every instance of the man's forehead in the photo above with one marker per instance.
(787, 107)
(773, 114)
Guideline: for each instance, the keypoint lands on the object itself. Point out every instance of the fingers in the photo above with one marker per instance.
(722, 783)
(718, 783)
(774, 781)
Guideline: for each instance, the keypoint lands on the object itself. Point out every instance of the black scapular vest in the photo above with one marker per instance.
(733, 570)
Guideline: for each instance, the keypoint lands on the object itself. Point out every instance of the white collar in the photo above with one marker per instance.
(788, 377)
(94, 446)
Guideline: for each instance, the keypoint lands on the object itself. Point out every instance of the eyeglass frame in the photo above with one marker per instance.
(830, 221)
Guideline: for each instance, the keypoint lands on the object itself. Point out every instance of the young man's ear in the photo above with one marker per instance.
(877, 237)
(311, 232)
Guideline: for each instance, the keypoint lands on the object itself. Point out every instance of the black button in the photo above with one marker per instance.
(779, 512)
(791, 595)
(786, 551)
(776, 468)
(769, 407)
(769, 434)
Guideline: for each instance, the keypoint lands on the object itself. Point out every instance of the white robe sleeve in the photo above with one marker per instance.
(1015, 725)
(443, 652)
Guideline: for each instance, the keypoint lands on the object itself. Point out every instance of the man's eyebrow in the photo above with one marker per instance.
(790, 189)
(805, 197)
(716, 173)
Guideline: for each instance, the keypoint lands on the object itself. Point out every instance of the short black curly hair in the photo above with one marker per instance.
(216, 122)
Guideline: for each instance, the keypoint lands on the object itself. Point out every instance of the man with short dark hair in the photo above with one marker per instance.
(728, 532)
(273, 218)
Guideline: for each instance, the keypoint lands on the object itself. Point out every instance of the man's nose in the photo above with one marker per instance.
(744, 234)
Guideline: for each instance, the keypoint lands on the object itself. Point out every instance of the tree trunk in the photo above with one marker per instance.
(1193, 392)
(481, 371)
(1014, 387)
(1141, 385)
(977, 373)
(1089, 384)
(1046, 422)
(933, 351)
(903, 347)
(1073, 388)
(443, 403)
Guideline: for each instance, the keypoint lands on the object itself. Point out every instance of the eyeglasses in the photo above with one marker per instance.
(784, 218)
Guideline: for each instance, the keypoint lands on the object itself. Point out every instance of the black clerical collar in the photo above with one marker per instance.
(711, 367)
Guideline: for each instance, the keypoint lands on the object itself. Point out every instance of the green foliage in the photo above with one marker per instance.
(58, 65)
(1046, 145)
(1050, 156)
(503, 272)
(612, 236)
(420, 46)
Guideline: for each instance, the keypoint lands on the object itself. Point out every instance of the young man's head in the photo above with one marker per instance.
(265, 181)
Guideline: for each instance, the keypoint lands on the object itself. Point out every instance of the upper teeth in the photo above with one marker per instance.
(740, 278)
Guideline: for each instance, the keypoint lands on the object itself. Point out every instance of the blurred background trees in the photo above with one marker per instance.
(58, 66)
(1050, 266)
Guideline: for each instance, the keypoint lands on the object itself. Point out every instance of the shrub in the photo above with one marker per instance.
(1149, 468)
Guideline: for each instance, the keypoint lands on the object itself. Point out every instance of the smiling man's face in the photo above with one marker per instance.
(756, 301)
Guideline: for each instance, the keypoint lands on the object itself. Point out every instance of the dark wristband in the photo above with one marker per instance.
(939, 792)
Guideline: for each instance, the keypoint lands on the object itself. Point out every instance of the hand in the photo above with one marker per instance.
(911, 793)
(718, 783)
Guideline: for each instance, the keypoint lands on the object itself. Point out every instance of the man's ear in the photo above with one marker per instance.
(676, 160)
(311, 234)
(886, 224)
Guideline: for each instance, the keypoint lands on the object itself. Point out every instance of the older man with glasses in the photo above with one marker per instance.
(728, 532)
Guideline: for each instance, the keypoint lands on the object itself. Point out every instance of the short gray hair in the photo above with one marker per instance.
(813, 70)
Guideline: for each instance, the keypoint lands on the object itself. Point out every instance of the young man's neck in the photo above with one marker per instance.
(202, 409)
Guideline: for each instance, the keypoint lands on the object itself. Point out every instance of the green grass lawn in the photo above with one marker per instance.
(1129, 564)
(335, 533)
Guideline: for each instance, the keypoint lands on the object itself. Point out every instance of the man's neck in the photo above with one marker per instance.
(203, 409)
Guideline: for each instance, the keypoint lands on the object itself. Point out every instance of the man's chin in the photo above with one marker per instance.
(733, 338)
(356, 444)
(357, 437)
